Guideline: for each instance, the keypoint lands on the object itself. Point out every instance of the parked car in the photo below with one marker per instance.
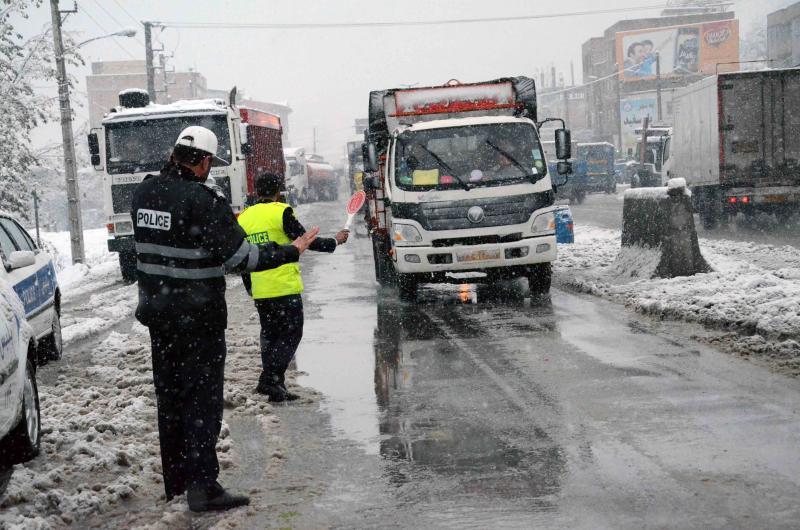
(20, 421)
(31, 274)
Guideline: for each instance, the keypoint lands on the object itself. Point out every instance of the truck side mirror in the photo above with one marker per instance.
(564, 168)
(371, 183)
(94, 148)
(370, 157)
(247, 149)
(563, 144)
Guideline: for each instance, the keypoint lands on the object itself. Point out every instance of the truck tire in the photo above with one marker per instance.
(384, 268)
(24, 441)
(127, 266)
(539, 279)
(407, 285)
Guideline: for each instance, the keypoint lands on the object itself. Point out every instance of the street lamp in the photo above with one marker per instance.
(127, 32)
(70, 166)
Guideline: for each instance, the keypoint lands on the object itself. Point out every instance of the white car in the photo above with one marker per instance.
(31, 274)
(20, 421)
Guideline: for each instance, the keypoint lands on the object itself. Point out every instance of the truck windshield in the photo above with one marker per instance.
(652, 155)
(475, 155)
(145, 145)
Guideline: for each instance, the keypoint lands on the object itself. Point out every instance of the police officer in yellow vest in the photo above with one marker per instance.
(277, 291)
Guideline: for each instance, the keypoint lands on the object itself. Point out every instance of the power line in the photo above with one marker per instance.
(126, 12)
(330, 25)
(96, 23)
(117, 22)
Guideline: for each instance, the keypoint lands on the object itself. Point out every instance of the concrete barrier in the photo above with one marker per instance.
(660, 222)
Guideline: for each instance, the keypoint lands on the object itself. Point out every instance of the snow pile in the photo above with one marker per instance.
(753, 291)
(100, 263)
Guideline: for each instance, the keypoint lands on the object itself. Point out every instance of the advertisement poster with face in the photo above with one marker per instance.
(683, 50)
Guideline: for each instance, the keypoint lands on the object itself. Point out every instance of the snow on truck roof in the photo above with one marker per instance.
(195, 106)
(464, 122)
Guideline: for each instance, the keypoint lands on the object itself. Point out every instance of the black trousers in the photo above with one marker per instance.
(188, 372)
(281, 332)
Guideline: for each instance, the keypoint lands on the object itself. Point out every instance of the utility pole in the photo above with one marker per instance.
(315, 140)
(658, 85)
(70, 168)
(148, 56)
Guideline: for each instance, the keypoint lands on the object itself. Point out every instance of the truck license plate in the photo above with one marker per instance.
(775, 198)
(478, 255)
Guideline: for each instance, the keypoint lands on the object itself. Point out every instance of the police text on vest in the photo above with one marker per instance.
(154, 219)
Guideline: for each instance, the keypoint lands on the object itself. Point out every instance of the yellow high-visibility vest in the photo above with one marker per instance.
(263, 223)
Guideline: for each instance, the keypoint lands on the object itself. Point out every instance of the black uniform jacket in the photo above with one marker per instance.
(187, 239)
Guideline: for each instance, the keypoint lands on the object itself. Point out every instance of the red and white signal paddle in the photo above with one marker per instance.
(353, 206)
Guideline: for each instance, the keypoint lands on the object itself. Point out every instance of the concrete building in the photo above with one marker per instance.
(610, 88)
(569, 104)
(783, 37)
(110, 77)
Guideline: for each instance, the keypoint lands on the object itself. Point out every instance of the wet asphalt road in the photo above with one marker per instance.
(599, 209)
(477, 408)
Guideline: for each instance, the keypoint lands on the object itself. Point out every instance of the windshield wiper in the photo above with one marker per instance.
(511, 158)
(444, 166)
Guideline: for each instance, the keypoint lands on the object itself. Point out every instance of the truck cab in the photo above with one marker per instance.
(460, 190)
(653, 154)
(137, 138)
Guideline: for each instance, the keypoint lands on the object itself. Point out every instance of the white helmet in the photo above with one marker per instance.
(201, 139)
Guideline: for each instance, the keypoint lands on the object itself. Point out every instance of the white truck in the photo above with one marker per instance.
(296, 174)
(136, 139)
(735, 142)
(458, 187)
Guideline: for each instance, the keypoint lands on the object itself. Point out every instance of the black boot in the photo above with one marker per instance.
(277, 393)
(205, 498)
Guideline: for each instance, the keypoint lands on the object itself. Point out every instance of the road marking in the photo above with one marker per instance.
(510, 393)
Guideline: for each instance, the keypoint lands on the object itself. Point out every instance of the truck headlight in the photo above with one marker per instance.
(544, 223)
(405, 234)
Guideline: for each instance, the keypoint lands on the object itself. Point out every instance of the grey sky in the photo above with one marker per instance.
(325, 74)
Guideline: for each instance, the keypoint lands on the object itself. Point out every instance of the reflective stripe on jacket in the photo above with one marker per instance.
(263, 223)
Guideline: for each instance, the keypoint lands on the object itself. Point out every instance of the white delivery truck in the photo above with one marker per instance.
(458, 187)
(137, 138)
(735, 142)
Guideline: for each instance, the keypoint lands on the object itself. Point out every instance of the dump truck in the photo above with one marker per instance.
(735, 142)
(599, 159)
(136, 138)
(458, 187)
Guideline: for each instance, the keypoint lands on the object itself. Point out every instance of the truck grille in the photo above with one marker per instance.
(501, 211)
(121, 197)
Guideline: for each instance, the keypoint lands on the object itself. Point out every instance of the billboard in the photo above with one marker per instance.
(631, 112)
(692, 49)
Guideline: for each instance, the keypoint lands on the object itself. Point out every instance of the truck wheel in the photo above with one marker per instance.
(23, 442)
(384, 269)
(127, 265)
(539, 279)
(407, 284)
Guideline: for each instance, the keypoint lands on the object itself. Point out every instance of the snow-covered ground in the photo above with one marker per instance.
(753, 292)
(100, 463)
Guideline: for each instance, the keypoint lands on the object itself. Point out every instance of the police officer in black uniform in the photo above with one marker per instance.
(187, 239)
